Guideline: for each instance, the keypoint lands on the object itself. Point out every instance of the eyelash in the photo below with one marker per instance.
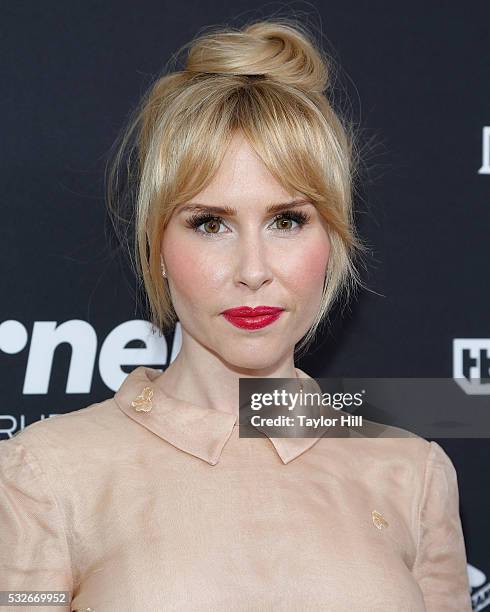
(197, 219)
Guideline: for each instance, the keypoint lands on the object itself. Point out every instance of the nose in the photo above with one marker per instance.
(253, 259)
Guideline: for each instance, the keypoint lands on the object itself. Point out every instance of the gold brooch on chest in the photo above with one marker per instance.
(379, 521)
(142, 403)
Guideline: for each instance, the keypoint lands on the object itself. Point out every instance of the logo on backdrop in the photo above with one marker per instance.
(471, 365)
(480, 588)
(485, 164)
(114, 351)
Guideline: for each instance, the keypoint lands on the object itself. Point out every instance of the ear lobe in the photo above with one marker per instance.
(162, 265)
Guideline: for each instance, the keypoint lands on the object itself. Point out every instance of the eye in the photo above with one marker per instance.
(285, 218)
(210, 221)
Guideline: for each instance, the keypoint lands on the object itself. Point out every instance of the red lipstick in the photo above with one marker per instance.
(252, 318)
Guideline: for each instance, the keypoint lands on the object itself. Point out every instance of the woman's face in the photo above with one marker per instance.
(217, 261)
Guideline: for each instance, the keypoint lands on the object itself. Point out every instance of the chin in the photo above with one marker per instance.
(254, 355)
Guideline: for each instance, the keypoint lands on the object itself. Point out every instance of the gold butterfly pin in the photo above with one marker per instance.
(142, 403)
(378, 520)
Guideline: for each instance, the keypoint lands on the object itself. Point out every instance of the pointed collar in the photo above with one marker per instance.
(202, 432)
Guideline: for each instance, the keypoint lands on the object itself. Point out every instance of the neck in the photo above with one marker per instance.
(203, 378)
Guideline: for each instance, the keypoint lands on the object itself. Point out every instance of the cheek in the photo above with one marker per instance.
(194, 272)
(307, 272)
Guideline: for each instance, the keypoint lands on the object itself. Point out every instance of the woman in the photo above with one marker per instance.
(150, 500)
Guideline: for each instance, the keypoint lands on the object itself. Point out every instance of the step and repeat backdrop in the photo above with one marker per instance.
(415, 80)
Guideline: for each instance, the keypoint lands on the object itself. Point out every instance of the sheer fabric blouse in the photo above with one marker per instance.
(167, 508)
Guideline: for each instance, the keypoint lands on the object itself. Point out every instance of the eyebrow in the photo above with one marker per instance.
(228, 211)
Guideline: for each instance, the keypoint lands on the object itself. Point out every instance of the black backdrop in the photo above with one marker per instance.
(416, 76)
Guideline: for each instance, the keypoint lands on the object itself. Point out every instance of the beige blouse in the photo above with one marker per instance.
(144, 503)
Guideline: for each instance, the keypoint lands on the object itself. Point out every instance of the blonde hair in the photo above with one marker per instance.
(268, 80)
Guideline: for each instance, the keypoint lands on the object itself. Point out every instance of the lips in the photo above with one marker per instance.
(252, 318)
(247, 311)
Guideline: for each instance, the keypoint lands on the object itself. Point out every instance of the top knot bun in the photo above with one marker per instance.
(272, 49)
